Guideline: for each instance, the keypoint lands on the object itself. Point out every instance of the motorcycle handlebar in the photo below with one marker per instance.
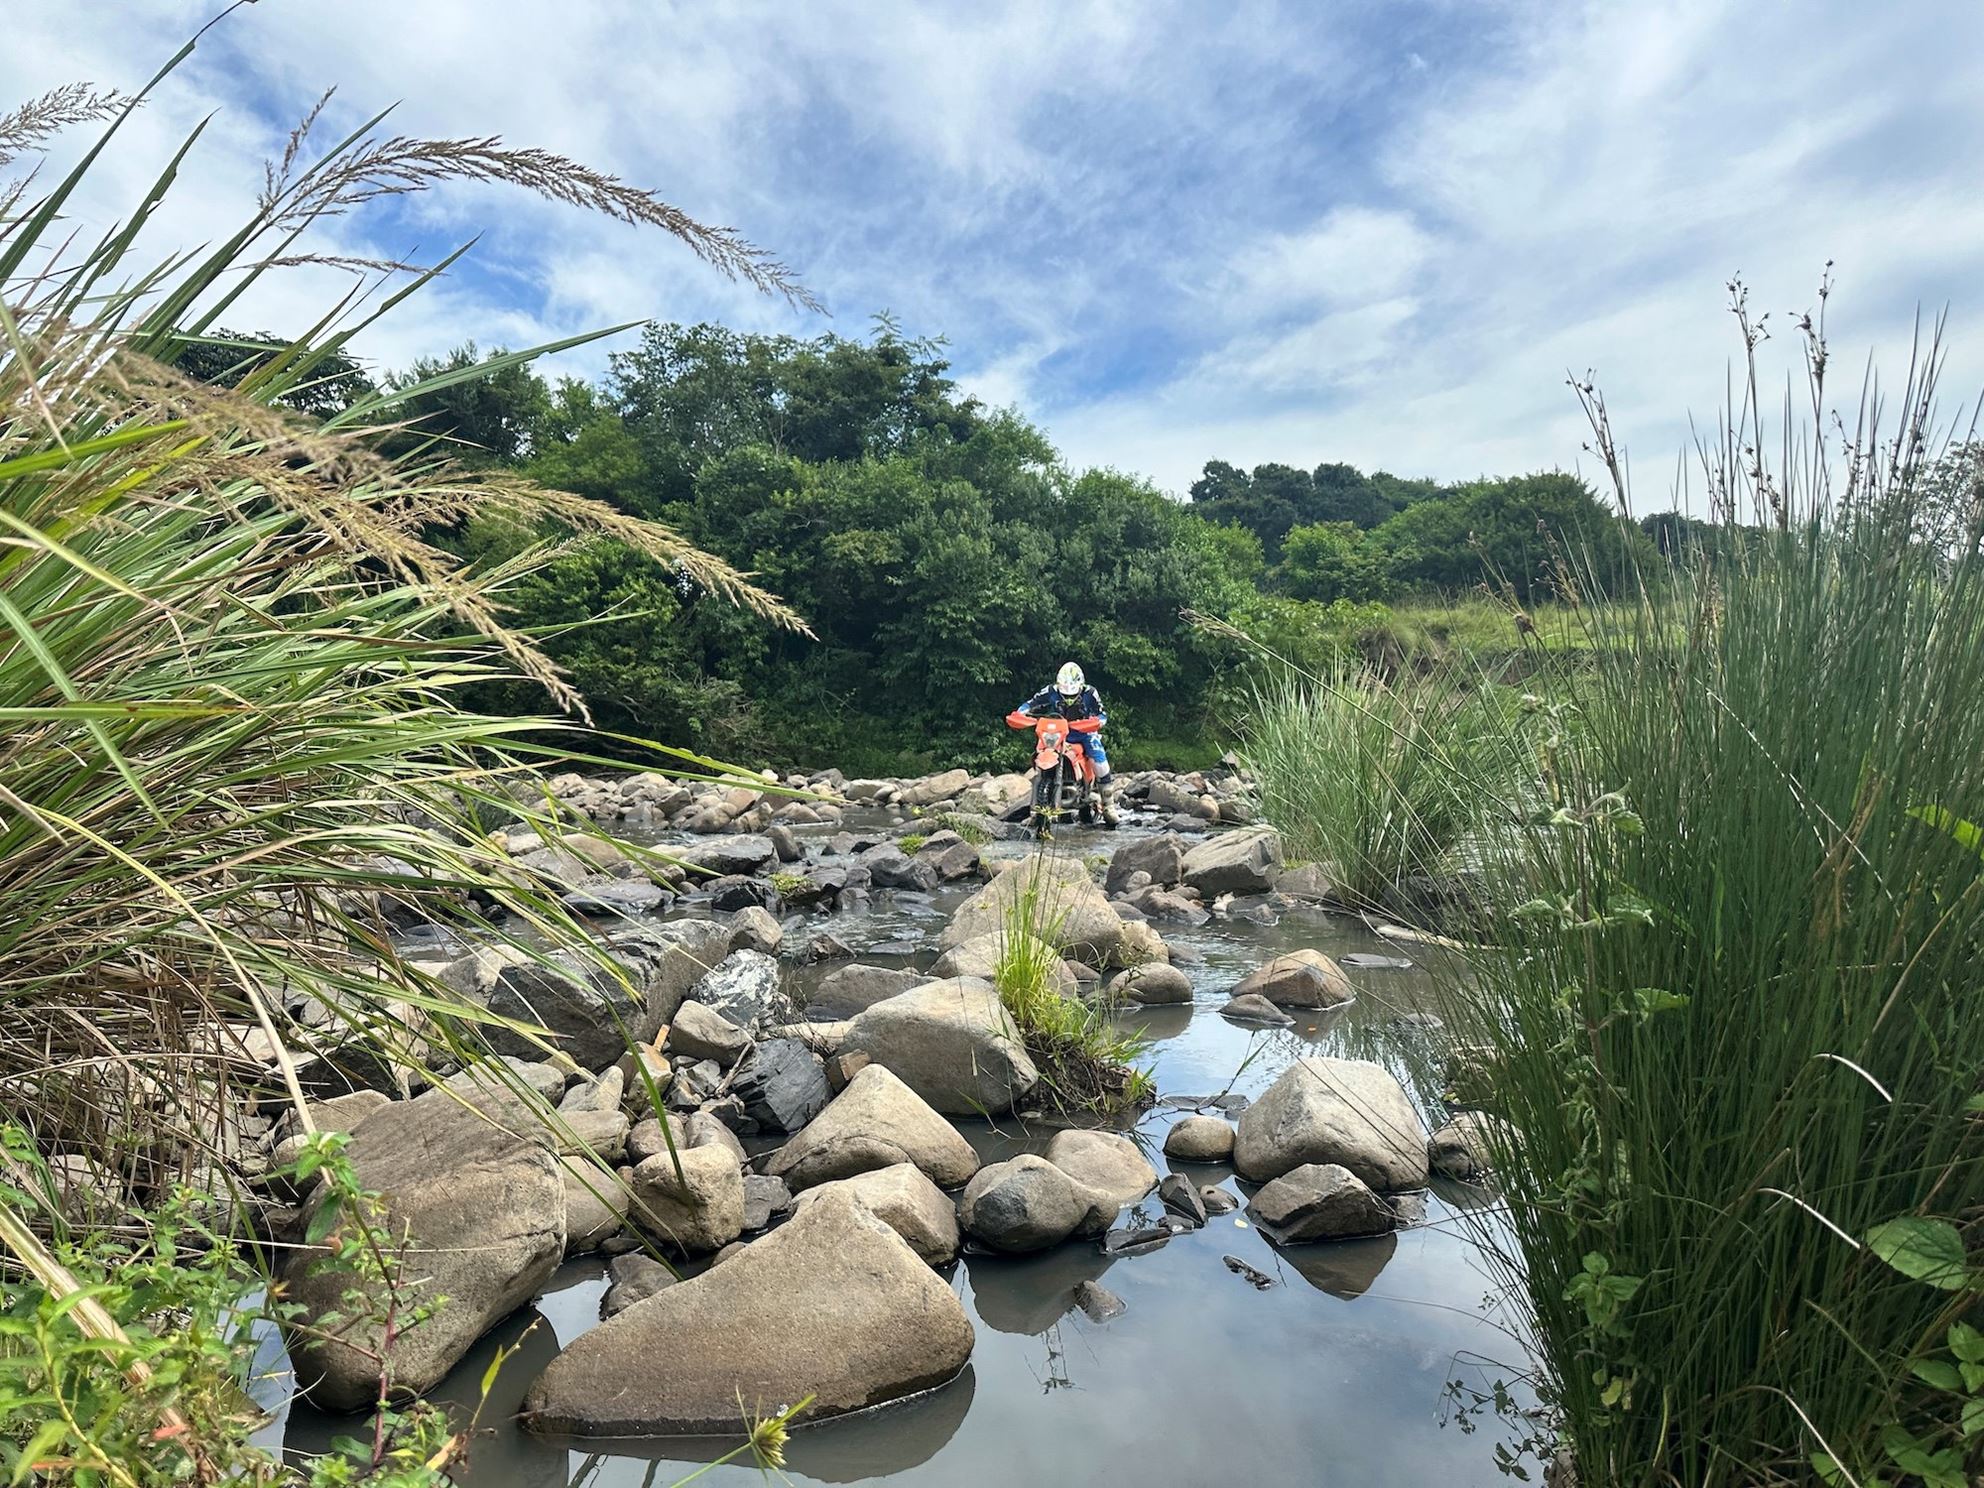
(1019, 720)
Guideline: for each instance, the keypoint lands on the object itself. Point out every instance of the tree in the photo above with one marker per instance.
(1328, 561)
(488, 419)
(225, 358)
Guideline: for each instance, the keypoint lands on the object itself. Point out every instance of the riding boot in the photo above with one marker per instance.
(1105, 800)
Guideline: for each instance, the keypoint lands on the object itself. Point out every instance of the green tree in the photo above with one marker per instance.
(1328, 561)
(483, 420)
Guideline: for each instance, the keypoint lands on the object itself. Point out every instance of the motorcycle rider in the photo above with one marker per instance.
(1070, 697)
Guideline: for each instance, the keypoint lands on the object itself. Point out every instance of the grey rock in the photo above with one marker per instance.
(698, 1209)
(1345, 1111)
(1218, 1200)
(1319, 1201)
(1153, 984)
(876, 1122)
(742, 853)
(1199, 1139)
(1162, 857)
(633, 1278)
(783, 1085)
(1465, 1146)
(847, 990)
(1246, 861)
(756, 929)
(905, 1200)
(764, 1198)
(1097, 1302)
(980, 957)
(1305, 979)
(1064, 897)
(1027, 1203)
(832, 1304)
(743, 987)
(1182, 1199)
(951, 1042)
(785, 845)
(1253, 1008)
(704, 1033)
(1110, 1164)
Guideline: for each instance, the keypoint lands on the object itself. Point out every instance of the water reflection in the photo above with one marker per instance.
(1343, 1268)
(1030, 1294)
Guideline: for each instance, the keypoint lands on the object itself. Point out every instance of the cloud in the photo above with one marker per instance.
(1269, 231)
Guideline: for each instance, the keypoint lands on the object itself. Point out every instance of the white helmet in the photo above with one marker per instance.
(1071, 681)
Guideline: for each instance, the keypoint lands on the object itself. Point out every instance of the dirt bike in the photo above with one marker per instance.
(1063, 777)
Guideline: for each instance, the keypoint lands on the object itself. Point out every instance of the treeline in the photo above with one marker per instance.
(945, 557)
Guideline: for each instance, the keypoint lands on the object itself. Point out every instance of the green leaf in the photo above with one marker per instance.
(1651, 1000)
(1939, 1373)
(1927, 1250)
(1975, 1103)
(1972, 1421)
(1967, 834)
(322, 1223)
(1967, 1343)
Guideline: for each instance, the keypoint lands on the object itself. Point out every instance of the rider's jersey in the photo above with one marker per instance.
(1048, 703)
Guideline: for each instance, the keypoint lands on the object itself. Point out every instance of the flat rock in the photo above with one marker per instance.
(1346, 1111)
(952, 1042)
(1199, 1139)
(1305, 979)
(876, 1122)
(832, 1304)
(742, 852)
(905, 1200)
(1246, 861)
(703, 1033)
(1319, 1201)
(854, 989)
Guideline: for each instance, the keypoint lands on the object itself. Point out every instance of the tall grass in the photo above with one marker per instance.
(1380, 780)
(230, 662)
(1736, 1009)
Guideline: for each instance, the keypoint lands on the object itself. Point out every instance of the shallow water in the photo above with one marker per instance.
(1338, 1372)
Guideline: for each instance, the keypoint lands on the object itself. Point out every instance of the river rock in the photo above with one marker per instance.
(1310, 882)
(1199, 1139)
(980, 957)
(483, 1212)
(1242, 862)
(935, 788)
(1110, 1164)
(1067, 908)
(756, 929)
(847, 990)
(903, 1198)
(698, 1129)
(890, 868)
(1183, 1199)
(1346, 1111)
(1169, 907)
(1254, 1008)
(1305, 979)
(633, 1278)
(1027, 1203)
(783, 1085)
(742, 852)
(1167, 795)
(698, 1210)
(1465, 1147)
(704, 1033)
(603, 1092)
(595, 1208)
(1139, 945)
(763, 1198)
(1319, 1201)
(832, 1304)
(1097, 1302)
(1161, 856)
(743, 987)
(952, 1042)
(600, 1133)
(1218, 1200)
(877, 1122)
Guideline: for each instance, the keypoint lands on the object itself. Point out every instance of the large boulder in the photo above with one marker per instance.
(905, 1200)
(1319, 1201)
(1345, 1111)
(1107, 1162)
(981, 955)
(852, 989)
(1055, 898)
(1027, 1203)
(952, 1042)
(698, 1208)
(1243, 862)
(1202, 1139)
(1305, 979)
(479, 1197)
(669, 960)
(833, 1304)
(935, 788)
(740, 853)
(1162, 857)
(877, 1122)
(743, 987)
(1151, 984)
(1465, 1147)
(583, 1009)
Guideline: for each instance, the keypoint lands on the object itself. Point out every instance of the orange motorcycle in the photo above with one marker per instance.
(1063, 776)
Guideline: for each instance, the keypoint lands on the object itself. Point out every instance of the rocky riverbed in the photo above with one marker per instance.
(861, 1193)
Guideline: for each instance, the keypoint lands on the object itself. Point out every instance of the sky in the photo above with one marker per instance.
(1167, 232)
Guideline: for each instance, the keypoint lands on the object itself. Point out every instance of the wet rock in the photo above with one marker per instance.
(951, 856)
(1346, 1111)
(633, 1278)
(1305, 979)
(1161, 857)
(742, 853)
(832, 1304)
(1240, 1268)
(1254, 1008)
(1063, 895)
(616, 897)
(1465, 1147)
(905, 1200)
(1365, 961)
(1182, 1199)
(783, 1085)
(704, 1033)
(699, 1208)
(890, 868)
(826, 947)
(1244, 862)
(1151, 984)
(1199, 1139)
(483, 1211)
(1140, 1240)
(743, 987)
(1169, 908)
(1097, 1302)
(1027, 1203)
(1110, 1164)
(1218, 1200)
(764, 1198)
(1319, 1201)
(980, 957)
(785, 845)
(877, 1122)
(756, 929)
(952, 1042)
(736, 893)
(935, 789)
(1169, 796)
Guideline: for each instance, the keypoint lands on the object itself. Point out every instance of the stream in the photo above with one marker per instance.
(1338, 1371)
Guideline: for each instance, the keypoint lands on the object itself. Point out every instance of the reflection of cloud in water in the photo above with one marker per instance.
(1029, 1294)
(1160, 1020)
(1343, 1268)
(871, 1444)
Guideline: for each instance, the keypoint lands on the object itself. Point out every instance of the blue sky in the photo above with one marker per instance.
(1167, 232)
